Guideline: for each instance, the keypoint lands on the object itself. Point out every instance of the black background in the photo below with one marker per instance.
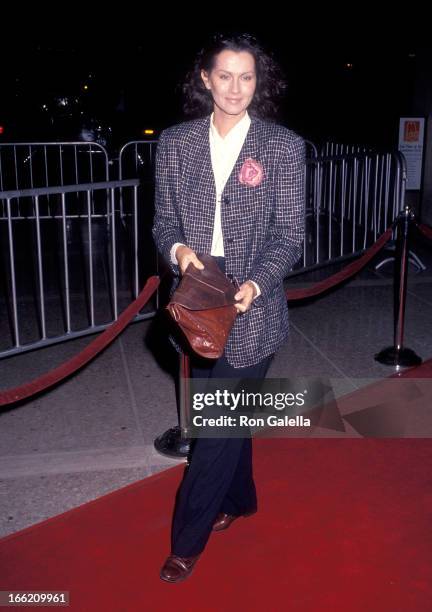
(137, 59)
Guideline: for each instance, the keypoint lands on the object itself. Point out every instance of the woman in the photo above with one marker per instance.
(229, 183)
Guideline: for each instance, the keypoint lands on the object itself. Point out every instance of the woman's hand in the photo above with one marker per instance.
(245, 295)
(185, 256)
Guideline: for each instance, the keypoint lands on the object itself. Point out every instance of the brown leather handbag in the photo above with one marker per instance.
(203, 307)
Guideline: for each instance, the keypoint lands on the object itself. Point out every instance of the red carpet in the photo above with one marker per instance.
(342, 525)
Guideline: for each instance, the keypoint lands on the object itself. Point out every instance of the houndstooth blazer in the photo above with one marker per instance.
(263, 226)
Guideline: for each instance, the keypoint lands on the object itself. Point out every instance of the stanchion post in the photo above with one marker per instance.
(398, 355)
(185, 408)
(175, 441)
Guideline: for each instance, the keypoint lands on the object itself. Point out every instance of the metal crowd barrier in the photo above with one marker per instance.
(350, 201)
(136, 159)
(72, 251)
(330, 148)
(68, 263)
(47, 164)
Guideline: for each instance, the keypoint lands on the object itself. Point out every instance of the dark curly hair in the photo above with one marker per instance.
(271, 83)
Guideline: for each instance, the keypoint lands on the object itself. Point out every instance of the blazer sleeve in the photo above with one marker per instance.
(167, 226)
(283, 244)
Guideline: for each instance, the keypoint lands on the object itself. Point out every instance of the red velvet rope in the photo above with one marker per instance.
(350, 270)
(96, 346)
(78, 361)
(425, 229)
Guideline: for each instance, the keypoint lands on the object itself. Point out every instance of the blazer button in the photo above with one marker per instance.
(230, 240)
(226, 200)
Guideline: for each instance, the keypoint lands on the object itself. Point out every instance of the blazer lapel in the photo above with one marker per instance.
(200, 160)
(250, 148)
(200, 191)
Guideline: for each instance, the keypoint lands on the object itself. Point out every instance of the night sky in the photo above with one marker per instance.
(132, 64)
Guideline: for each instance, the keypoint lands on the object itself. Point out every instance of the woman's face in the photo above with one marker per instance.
(232, 81)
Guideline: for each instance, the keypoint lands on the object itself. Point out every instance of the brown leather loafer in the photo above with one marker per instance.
(223, 520)
(176, 569)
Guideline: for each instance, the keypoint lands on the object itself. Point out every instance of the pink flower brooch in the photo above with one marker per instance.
(251, 173)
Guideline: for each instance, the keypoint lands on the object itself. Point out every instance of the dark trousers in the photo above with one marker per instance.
(219, 477)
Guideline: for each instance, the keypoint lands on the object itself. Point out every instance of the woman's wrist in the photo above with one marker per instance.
(256, 288)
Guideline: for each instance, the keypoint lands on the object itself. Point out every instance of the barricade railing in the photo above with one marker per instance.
(331, 148)
(68, 263)
(351, 197)
(65, 369)
(136, 160)
(399, 354)
(32, 165)
(351, 193)
(350, 200)
(311, 149)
